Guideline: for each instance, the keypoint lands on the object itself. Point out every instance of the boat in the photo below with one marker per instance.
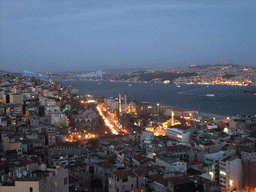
(129, 85)
(250, 92)
(178, 86)
(210, 95)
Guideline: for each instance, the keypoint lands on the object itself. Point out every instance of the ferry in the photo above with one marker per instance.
(210, 95)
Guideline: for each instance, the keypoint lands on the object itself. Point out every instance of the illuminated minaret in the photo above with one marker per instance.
(120, 103)
(172, 118)
(125, 101)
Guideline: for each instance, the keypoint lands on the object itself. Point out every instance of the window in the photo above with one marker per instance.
(55, 185)
(65, 180)
(132, 186)
(31, 189)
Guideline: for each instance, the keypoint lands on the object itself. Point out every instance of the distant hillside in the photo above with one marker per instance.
(213, 65)
(122, 70)
(163, 76)
(2, 72)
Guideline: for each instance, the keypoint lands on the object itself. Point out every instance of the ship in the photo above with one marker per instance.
(210, 95)
(250, 92)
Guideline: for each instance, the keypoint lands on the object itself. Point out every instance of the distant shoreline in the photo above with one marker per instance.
(192, 102)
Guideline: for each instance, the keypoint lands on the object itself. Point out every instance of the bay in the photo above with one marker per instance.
(215, 99)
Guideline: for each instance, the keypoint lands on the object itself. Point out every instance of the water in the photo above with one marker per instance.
(227, 100)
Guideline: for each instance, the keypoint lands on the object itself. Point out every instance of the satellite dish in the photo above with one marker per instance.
(24, 173)
(19, 175)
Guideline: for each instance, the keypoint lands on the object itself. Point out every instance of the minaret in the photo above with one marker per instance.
(172, 118)
(120, 103)
(125, 101)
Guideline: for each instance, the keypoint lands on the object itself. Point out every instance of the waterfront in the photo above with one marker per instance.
(215, 99)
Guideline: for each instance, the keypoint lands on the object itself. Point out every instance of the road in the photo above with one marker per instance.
(110, 119)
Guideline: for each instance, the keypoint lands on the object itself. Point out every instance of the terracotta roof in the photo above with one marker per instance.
(253, 134)
(141, 172)
(105, 164)
(248, 149)
(177, 148)
(159, 179)
(142, 159)
(179, 180)
(122, 174)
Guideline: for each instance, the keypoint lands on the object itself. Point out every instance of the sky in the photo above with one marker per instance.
(79, 35)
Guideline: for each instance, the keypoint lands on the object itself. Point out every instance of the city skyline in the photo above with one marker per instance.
(79, 36)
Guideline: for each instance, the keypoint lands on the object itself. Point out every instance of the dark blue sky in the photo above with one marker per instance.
(73, 35)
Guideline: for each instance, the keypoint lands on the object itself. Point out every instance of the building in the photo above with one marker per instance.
(230, 173)
(170, 162)
(102, 172)
(186, 153)
(59, 119)
(16, 98)
(213, 161)
(248, 156)
(9, 143)
(127, 180)
(36, 179)
(177, 182)
(178, 134)
(88, 120)
(51, 109)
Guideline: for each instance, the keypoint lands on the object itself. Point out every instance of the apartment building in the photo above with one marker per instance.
(230, 173)
(102, 172)
(15, 98)
(177, 182)
(51, 109)
(127, 180)
(178, 134)
(36, 179)
(59, 119)
(213, 160)
(170, 162)
(248, 155)
(9, 143)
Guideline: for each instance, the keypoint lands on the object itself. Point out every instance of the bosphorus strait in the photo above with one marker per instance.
(215, 99)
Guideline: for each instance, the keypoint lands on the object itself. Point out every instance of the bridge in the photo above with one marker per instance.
(94, 74)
